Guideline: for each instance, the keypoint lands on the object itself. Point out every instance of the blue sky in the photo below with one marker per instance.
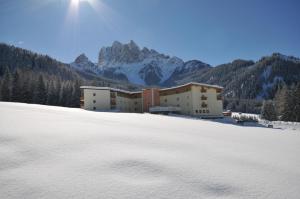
(213, 31)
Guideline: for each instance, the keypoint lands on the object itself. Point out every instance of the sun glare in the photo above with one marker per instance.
(76, 2)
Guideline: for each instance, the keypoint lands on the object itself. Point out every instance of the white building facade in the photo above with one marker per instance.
(194, 99)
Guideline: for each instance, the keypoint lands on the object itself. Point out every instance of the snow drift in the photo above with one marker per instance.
(52, 152)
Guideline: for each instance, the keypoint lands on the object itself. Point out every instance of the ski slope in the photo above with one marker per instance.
(52, 152)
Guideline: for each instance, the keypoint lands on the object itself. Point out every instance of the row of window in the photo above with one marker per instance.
(203, 97)
(201, 111)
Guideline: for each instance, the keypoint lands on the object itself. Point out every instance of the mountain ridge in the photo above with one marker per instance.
(138, 65)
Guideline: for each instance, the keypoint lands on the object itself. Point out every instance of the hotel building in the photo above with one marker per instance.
(194, 99)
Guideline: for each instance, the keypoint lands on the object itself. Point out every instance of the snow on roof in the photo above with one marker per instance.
(109, 88)
(130, 92)
(193, 83)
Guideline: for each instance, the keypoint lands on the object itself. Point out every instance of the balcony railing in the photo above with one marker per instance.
(203, 97)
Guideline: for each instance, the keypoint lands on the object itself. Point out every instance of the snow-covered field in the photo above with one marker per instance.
(52, 152)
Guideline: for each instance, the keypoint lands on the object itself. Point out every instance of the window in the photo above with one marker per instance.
(94, 94)
(187, 97)
(94, 108)
(94, 101)
(219, 97)
(207, 111)
(166, 100)
(203, 90)
(135, 103)
(178, 105)
(203, 105)
(200, 111)
(177, 98)
(196, 111)
(203, 97)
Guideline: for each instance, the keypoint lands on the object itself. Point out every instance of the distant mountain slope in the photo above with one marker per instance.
(251, 80)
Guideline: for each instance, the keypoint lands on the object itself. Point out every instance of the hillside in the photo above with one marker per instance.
(56, 152)
(251, 80)
(29, 77)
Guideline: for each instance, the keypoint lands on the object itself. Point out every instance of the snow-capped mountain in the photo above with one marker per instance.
(139, 66)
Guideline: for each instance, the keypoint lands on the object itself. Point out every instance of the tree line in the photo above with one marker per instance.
(285, 106)
(24, 86)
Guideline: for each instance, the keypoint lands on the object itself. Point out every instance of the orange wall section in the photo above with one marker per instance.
(150, 98)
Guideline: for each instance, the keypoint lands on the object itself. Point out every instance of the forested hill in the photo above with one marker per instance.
(29, 77)
(244, 79)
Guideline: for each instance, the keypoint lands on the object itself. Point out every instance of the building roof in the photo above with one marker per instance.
(163, 89)
(109, 88)
(193, 83)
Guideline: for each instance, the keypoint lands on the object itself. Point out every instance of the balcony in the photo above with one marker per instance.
(203, 97)
(203, 90)
(204, 105)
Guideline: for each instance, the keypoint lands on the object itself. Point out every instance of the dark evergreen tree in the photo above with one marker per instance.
(268, 111)
(58, 93)
(280, 98)
(5, 86)
(76, 95)
(288, 109)
(40, 95)
(297, 103)
(52, 94)
(66, 95)
(16, 88)
(26, 95)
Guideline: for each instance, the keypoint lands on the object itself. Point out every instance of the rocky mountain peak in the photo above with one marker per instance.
(81, 58)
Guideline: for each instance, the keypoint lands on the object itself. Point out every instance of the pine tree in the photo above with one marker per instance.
(52, 96)
(26, 95)
(268, 111)
(297, 103)
(5, 86)
(65, 95)
(40, 95)
(288, 109)
(16, 88)
(76, 94)
(58, 93)
(280, 98)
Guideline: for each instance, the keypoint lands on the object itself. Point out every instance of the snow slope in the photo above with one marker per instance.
(53, 152)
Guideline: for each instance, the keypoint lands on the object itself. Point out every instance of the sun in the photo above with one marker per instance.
(76, 2)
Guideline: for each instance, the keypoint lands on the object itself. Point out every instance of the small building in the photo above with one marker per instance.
(195, 99)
